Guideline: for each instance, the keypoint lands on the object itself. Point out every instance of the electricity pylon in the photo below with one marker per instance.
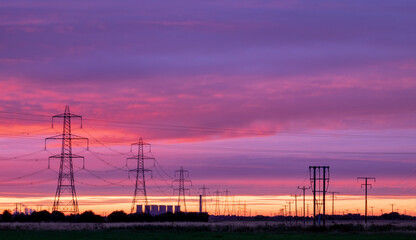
(204, 200)
(217, 211)
(226, 203)
(181, 181)
(140, 170)
(66, 185)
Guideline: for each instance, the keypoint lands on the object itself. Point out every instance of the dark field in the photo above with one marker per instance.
(188, 235)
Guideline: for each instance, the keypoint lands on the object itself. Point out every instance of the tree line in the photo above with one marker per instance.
(90, 216)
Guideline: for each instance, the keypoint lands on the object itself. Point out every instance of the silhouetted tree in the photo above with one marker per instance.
(117, 216)
(57, 216)
(42, 216)
(144, 217)
(90, 216)
(6, 216)
(20, 217)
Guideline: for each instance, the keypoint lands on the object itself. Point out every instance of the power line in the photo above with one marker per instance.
(29, 183)
(124, 168)
(100, 185)
(285, 151)
(21, 156)
(203, 129)
(103, 179)
(24, 176)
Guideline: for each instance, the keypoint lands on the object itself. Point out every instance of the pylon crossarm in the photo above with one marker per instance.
(141, 157)
(144, 170)
(54, 156)
(71, 136)
(71, 156)
(189, 181)
(76, 137)
(138, 143)
(53, 137)
(64, 115)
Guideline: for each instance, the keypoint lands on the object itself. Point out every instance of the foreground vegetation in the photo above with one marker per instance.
(90, 216)
(191, 235)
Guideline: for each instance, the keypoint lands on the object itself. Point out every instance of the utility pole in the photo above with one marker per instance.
(296, 204)
(366, 184)
(372, 211)
(183, 178)
(319, 175)
(303, 189)
(233, 209)
(285, 212)
(204, 201)
(140, 172)
(333, 200)
(226, 205)
(290, 208)
(245, 209)
(66, 182)
(392, 205)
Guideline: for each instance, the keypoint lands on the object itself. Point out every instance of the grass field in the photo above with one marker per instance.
(191, 235)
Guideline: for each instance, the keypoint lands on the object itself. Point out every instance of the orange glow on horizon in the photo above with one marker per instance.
(268, 205)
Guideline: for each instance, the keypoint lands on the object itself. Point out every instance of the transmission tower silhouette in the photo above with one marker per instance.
(233, 208)
(181, 181)
(66, 185)
(217, 211)
(140, 171)
(204, 200)
(226, 203)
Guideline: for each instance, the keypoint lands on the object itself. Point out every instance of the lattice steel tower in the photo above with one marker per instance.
(66, 185)
(217, 210)
(140, 171)
(226, 203)
(181, 181)
(204, 200)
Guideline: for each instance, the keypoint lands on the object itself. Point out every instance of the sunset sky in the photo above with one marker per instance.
(246, 95)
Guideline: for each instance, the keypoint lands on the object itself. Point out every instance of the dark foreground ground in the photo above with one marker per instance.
(192, 235)
(240, 230)
(185, 235)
